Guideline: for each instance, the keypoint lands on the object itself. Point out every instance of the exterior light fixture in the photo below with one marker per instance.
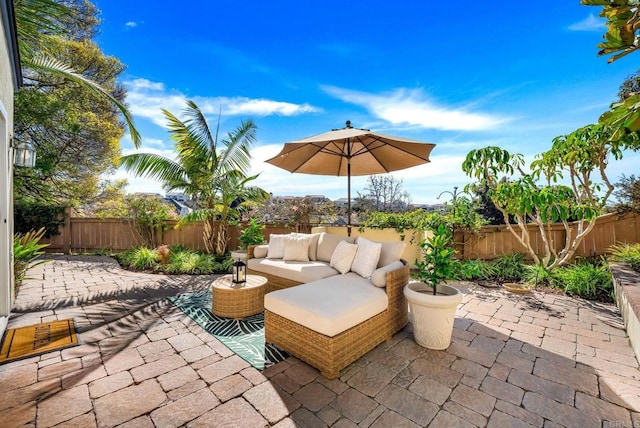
(239, 272)
(24, 154)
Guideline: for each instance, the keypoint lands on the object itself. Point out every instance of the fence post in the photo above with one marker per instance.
(66, 235)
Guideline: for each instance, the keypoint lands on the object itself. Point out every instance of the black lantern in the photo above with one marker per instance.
(239, 272)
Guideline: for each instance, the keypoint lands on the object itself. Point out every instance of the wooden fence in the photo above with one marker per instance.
(493, 241)
(90, 234)
(81, 234)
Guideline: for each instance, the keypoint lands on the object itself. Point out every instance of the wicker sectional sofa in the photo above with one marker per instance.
(327, 318)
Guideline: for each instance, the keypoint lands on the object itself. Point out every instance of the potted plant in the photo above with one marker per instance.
(250, 235)
(432, 303)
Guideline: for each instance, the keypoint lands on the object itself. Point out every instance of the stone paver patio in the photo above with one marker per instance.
(537, 360)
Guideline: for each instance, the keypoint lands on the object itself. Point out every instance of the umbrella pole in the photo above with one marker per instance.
(348, 196)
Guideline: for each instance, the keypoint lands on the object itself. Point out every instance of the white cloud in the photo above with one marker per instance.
(131, 24)
(412, 107)
(147, 98)
(590, 23)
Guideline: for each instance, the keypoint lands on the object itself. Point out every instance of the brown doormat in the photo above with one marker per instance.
(37, 339)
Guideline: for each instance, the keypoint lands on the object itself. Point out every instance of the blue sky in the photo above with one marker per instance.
(462, 75)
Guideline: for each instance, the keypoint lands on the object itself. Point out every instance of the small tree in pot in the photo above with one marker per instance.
(250, 235)
(433, 304)
(437, 263)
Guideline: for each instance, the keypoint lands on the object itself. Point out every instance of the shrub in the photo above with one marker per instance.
(30, 216)
(509, 267)
(140, 258)
(190, 262)
(474, 269)
(626, 253)
(26, 251)
(587, 280)
(539, 275)
(252, 234)
(181, 261)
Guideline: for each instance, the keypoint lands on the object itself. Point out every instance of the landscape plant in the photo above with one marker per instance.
(621, 39)
(626, 253)
(26, 253)
(251, 234)
(538, 199)
(149, 215)
(70, 106)
(474, 269)
(140, 258)
(437, 264)
(181, 260)
(508, 267)
(211, 171)
(586, 279)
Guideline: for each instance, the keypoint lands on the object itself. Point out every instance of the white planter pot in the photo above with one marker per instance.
(432, 316)
(239, 255)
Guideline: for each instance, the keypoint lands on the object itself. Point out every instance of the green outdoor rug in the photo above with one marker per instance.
(245, 337)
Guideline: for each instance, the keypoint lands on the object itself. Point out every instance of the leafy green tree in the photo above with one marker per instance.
(628, 194)
(149, 215)
(621, 39)
(76, 132)
(484, 206)
(538, 198)
(111, 202)
(42, 25)
(213, 172)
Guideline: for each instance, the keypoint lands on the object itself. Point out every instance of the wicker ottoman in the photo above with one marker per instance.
(232, 300)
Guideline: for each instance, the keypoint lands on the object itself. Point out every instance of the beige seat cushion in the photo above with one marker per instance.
(328, 242)
(329, 306)
(296, 271)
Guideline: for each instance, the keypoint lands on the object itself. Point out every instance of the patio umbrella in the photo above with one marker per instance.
(351, 151)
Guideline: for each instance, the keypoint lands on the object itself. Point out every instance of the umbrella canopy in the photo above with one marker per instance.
(351, 151)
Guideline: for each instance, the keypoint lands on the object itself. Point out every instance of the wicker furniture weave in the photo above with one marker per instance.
(332, 354)
(231, 300)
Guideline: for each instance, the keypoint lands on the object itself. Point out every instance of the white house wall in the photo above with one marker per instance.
(7, 87)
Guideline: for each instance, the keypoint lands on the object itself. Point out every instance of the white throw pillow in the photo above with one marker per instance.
(342, 256)
(296, 248)
(313, 244)
(260, 251)
(379, 276)
(327, 243)
(276, 246)
(366, 258)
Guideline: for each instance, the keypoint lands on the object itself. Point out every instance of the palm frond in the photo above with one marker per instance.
(198, 215)
(53, 66)
(236, 154)
(151, 165)
(198, 126)
(190, 149)
(36, 21)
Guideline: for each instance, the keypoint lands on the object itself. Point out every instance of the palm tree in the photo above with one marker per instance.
(38, 23)
(212, 172)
